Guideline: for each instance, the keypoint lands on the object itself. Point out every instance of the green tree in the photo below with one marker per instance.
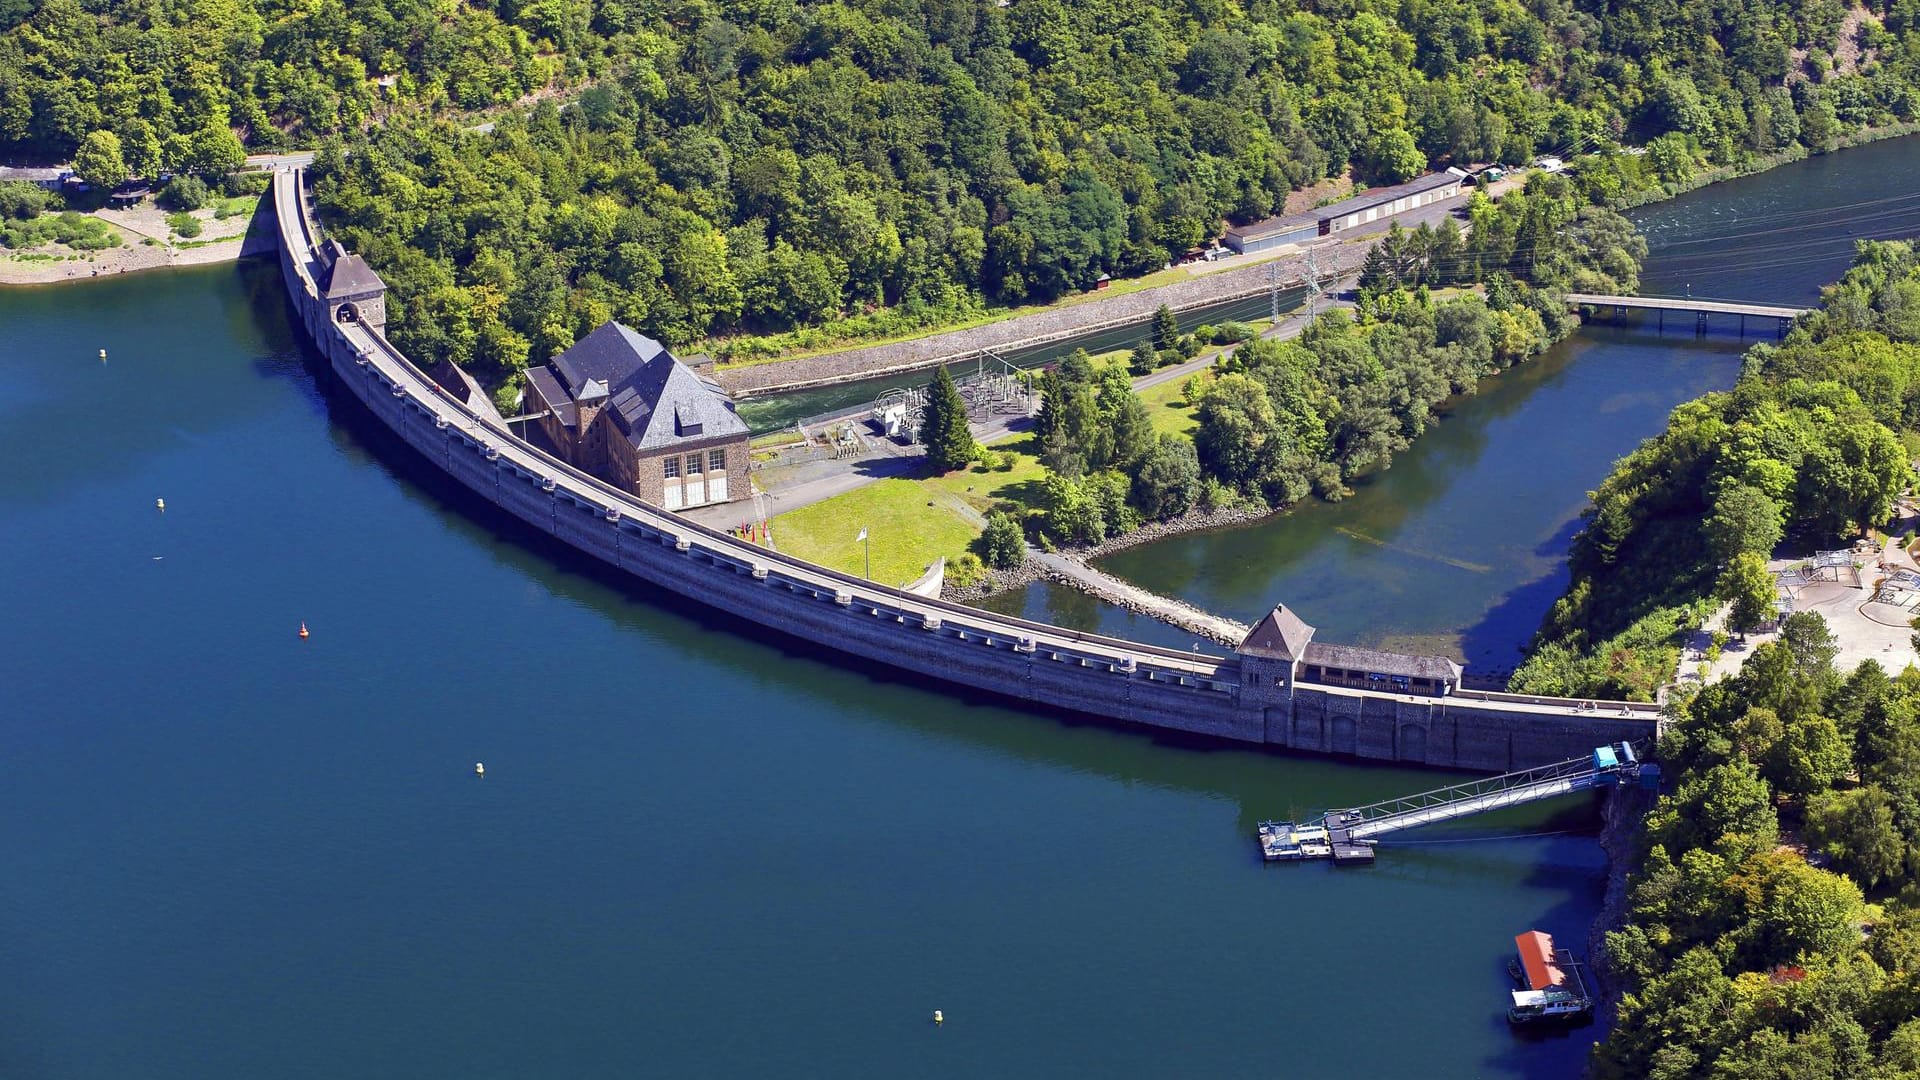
(1744, 519)
(1143, 358)
(1857, 830)
(1129, 427)
(1236, 424)
(1166, 328)
(1748, 586)
(1795, 910)
(1168, 479)
(943, 426)
(98, 161)
(215, 151)
(1393, 156)
(1809, 757)
(185, 192)
(1728, 799)
(1072, 512)
(1002, 546)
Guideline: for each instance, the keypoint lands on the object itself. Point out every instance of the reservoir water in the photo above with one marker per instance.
(234, 852)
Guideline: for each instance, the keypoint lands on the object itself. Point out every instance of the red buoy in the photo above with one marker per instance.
(303, 629)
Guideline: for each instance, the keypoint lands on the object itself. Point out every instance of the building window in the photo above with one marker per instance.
(673, 468)
(693, 464)
(717, 460)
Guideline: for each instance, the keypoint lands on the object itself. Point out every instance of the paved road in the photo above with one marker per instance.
(1284, 330)
(298, 159)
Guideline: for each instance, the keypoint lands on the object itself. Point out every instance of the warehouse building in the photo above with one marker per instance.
(1273, 232)
(1377, 204)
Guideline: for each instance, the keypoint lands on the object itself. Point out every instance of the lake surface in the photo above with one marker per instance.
(233, 852)
(1460, 546)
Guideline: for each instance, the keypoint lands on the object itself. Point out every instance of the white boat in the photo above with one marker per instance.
(1530, 1006)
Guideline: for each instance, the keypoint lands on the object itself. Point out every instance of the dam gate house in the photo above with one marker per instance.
(1282, 648)
(620, 406)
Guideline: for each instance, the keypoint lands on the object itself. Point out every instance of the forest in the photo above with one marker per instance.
(1808, 446)
(725, 168)
(1773, 927)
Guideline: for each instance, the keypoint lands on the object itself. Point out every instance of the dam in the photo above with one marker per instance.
(1279, 688)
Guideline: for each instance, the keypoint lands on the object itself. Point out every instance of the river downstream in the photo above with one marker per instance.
(234, 852)
(1460, 547)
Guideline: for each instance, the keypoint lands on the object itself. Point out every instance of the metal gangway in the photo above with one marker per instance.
(1606, 766)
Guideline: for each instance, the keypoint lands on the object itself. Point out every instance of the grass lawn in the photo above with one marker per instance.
(907, 533)
(981, 488)
(1167, 405)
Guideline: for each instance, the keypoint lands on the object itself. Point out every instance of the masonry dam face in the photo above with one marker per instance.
(1255, 696)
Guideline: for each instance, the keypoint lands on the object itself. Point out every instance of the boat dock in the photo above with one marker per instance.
(1347, 836)
(1284, 841)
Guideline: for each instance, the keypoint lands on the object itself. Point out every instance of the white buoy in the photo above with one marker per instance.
(479, 768)
(937, 1018)
(103, 354)
(160, 505)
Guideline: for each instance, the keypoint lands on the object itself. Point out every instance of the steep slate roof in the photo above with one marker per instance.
(454, 380)
(1282, 635)
(548, 390)
(1355, 658)
(349, 276)
(656, 400)
(611, 355)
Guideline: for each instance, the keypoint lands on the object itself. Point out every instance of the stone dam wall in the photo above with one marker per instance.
(1237, 699)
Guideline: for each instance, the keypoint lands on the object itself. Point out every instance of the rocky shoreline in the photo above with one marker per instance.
(1625, 809)
(147, 244)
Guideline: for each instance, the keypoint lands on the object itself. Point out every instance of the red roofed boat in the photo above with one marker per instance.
(1551, 986)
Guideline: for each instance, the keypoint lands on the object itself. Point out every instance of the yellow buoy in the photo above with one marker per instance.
(479, 768)
(160, 505)
(937, 1018)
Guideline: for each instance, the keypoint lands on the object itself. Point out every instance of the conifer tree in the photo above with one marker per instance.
(944, 429)
(1166, 328)
(1143, 358)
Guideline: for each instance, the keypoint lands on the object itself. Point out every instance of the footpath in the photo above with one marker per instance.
(1068, 570)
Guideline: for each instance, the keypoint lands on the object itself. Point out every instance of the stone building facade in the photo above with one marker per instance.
(352, 291)
(620, 406)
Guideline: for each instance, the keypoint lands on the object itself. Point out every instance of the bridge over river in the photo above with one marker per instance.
(1701, 310)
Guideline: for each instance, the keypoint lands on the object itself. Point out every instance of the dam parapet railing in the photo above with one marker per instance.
(1234, 698)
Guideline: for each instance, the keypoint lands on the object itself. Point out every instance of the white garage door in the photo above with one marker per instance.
(673, 495)
(696, 491)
